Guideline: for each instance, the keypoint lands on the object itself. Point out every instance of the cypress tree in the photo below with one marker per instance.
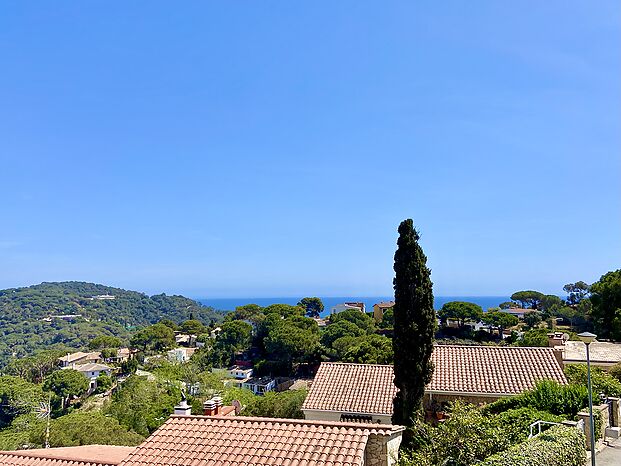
(414, 326)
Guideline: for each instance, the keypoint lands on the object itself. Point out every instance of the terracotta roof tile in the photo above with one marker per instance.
(352, 388)
(228, 441)
(490, 370)
(87, 455)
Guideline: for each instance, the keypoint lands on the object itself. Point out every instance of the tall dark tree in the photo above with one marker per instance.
(606, 299)
(415, 323)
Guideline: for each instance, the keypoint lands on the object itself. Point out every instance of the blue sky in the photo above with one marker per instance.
(227, 149)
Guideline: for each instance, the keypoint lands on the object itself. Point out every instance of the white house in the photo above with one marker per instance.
(91, 371)
(347, 306)
(259, 386)
(180, 354)
(239, 372)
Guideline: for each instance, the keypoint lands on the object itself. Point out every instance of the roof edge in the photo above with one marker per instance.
(356, 425)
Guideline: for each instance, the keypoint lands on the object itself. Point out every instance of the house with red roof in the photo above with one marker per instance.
(478, 374)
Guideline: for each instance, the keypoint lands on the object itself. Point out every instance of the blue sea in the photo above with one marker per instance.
(229, 304)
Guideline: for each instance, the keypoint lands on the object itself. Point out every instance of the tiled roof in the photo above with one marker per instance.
(492, 370)
(352, 388)
(486, 370)
(224, 441)
(385, 304)
(90, 367)
(88, 455)
(80, 355)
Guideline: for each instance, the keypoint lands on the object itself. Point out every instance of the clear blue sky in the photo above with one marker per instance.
(226, 149)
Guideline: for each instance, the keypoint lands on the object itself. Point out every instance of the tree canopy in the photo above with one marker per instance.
(528, 299)
(576, 292)
(462, 311)
(313, 306)
(606, 300)
(156, 337)
(500, 319)
(66, 384)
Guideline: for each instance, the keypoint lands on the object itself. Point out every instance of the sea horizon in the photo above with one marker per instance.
(229, 304)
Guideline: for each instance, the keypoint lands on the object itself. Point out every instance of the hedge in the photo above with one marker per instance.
(558, 446)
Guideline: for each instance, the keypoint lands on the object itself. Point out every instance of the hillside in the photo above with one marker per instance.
(30, 316)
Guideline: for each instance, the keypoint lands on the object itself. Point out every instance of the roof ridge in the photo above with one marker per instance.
(536, 348)
(277, 420)
(335, 363)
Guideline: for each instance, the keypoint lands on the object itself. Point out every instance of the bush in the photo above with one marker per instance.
(466, 437)
(559, 446)
(602, 381)
(516, 422)
(535, 337)
(615, 371)
(104, 383)
(546, 396)
(86, 428)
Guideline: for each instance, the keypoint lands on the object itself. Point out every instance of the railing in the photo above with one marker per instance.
(538, 424)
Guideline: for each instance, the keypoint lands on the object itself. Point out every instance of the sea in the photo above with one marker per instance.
(229, 304)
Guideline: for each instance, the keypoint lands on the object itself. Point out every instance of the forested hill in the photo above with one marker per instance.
(29, 316)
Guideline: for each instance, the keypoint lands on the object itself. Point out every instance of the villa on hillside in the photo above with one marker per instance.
(478, 374)
(79, 357)
(91, 371)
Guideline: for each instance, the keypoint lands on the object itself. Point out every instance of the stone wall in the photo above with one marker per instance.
(382, 450)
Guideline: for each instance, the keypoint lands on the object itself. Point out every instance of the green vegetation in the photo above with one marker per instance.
(154, 338)
(312, 306)
(603, 382)
(546, 396)
(528, 299)
(29, 317)
(66, 384)
(461, 311)
(559, 446)
(415, 323)
(606, 299)
(86, 428)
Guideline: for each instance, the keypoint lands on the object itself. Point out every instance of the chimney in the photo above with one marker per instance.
(209, 408)
(218, 401)
(558, 354)
(183, 408)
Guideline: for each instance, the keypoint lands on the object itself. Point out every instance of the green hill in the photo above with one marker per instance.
(31, 318)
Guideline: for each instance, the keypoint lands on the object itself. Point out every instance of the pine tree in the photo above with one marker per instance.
(414, 326)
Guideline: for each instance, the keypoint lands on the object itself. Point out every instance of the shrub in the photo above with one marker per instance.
(104, 383)
(535, 337)
(615, 371)
(546, 396)
(516, 422)
(558, 446)
(466, 437)
(602, 381)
